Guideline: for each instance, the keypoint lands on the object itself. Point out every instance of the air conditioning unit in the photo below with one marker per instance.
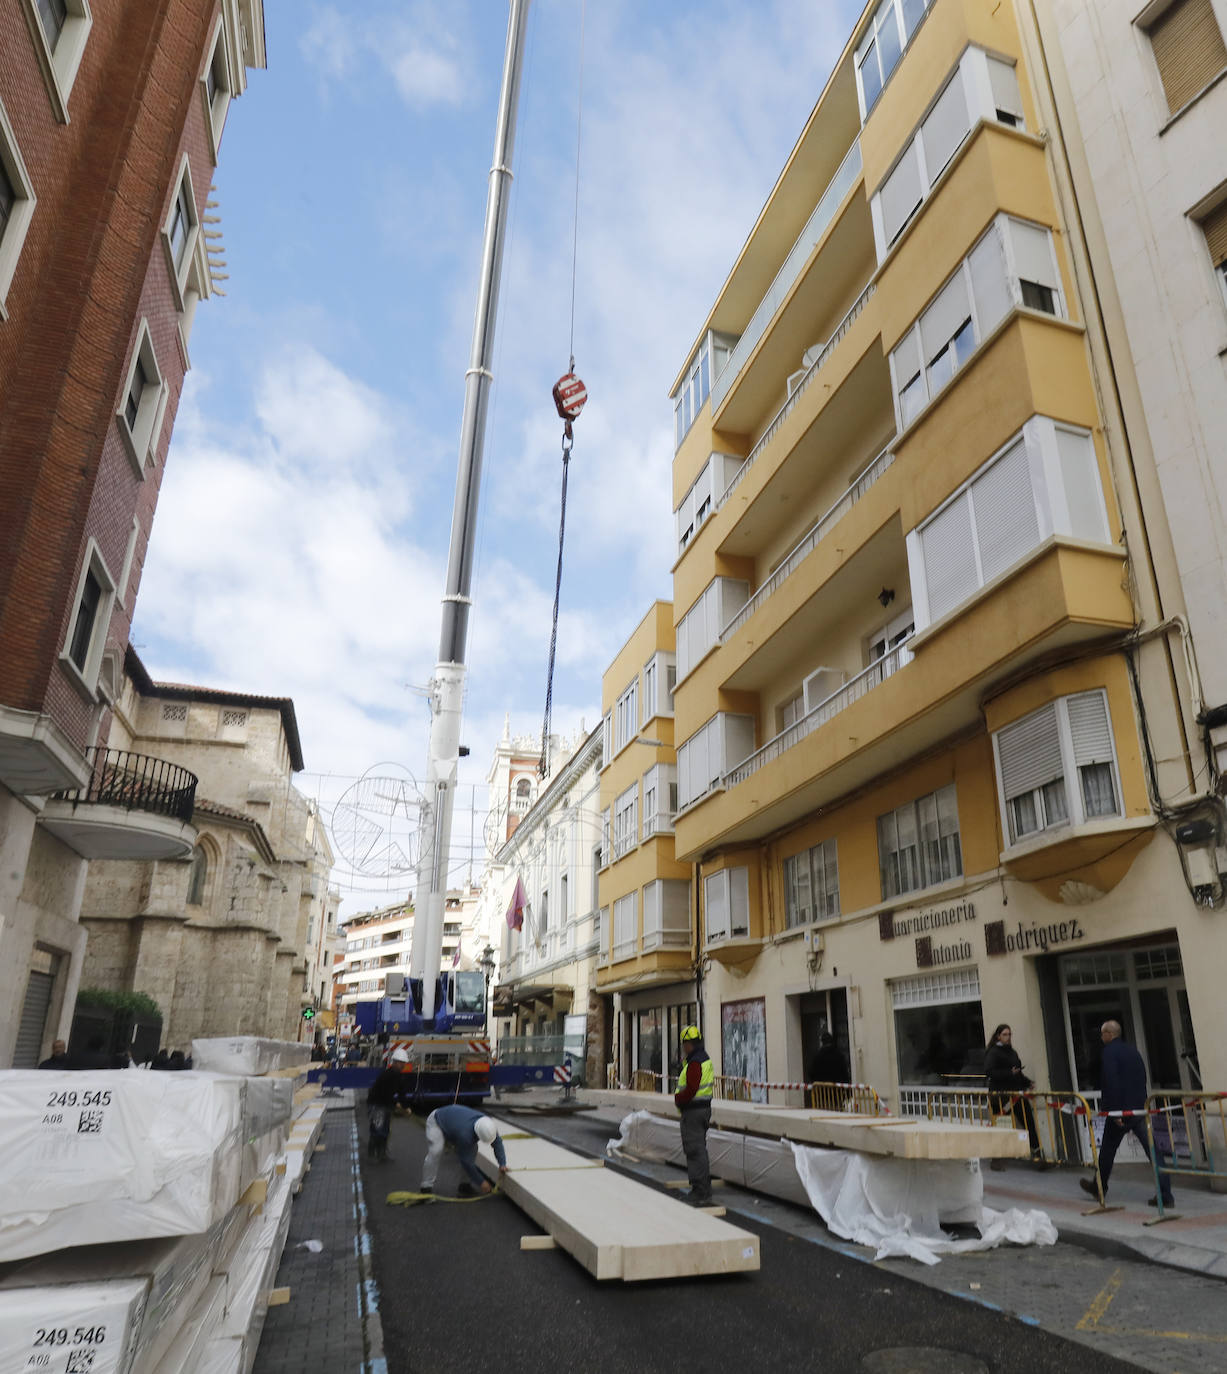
(821, 683)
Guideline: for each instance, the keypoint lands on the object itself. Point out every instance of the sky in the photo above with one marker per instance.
(301, 537)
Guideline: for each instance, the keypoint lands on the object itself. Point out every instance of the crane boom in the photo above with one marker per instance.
(447, 685)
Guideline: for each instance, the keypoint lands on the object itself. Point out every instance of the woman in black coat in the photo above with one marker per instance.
(1003, 1072)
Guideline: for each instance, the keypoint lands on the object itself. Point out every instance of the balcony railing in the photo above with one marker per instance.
(797, 392)
(137, 782)
(863, 682)
(810, 541)
(824, 212)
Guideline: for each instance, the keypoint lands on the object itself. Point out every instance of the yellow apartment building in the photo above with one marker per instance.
(646, 951)
(938, 756)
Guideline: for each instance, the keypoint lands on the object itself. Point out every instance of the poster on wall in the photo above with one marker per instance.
(743, 1042)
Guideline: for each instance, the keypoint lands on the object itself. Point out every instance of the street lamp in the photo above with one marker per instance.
(486, 964)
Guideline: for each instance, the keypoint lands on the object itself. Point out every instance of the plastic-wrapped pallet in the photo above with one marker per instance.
(251, 1275)
(104, 1307)
(247, 1054)
(96, 1157)
(188, 1352)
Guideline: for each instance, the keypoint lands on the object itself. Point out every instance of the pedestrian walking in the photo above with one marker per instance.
(693, 1098)
(1122, 1088)
(461, 1128)
(1003, 1072)
(381, 1097)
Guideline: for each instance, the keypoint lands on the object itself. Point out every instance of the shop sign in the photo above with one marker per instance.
(929, 955)
(1033, 938)
(891, 923)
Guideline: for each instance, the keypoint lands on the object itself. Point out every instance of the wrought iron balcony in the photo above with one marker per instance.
(133, 807)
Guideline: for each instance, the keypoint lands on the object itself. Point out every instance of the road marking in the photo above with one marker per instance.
(1103, 1300)
(1092, 1320)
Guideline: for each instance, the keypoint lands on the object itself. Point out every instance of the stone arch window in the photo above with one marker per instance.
(523, 788)
(198, 876)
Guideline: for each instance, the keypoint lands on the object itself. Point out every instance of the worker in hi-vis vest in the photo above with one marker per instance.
(693, 1097)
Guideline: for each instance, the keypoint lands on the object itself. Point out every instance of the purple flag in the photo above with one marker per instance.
(519, 902)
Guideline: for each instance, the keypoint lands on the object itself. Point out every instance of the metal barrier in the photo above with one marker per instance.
(1187, 1130)
(844, 1097)
(731, 1089)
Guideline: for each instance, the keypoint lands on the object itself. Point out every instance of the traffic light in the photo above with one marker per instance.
(308, 1013)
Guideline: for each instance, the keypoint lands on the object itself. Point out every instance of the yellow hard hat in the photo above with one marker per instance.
(691, 1033)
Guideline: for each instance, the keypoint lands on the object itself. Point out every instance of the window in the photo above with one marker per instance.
(659, 680)
(607, 739)
(625, 926)
(1011, 266)
(543, 912)
(196, 878)
(626, 716)
(218, 87)
(180, 234)
(59, 29)
(1214, 226)
(918, 844)
(889, 30)
(605, 836)
(143, 402)
(129, 556)
(16, 205)
(666, 914)
(1057, 766)
(1188, 48)
(91, 614)
(564, 899)
(704, 495)
(981, 87)
(659, 799)
(692, 393)
(939, 1025)
(715, 748)
(811, 885)
(626, 821)
(700, 628)
(726, 904)
(602, 935)
(1045, 481)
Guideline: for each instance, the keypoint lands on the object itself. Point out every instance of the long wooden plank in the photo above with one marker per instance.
(615, 1227)
(899, 1136)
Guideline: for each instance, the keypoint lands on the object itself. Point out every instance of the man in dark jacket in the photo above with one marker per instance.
(381, 1097)
(829, 1064)
(59, 1057)
(1122, 1083)
(695, 1087)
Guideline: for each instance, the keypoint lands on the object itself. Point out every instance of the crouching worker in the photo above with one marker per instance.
(693, 1100)
(381, 1097)
(461, 1128)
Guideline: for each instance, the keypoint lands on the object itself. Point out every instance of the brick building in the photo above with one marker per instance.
(110, 121)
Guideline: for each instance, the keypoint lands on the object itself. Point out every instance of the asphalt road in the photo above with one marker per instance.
(458, 1294)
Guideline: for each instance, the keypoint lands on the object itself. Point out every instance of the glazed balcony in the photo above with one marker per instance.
(925, 690)
(133, 807)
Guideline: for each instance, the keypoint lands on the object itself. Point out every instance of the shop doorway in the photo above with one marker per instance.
(821, 1012)
(1144, 990)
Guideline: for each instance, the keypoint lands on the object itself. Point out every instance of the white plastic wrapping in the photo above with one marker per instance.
(247, 1054)
(188, 1352)
(79, 1328)
(254, 1266)
(96, 1157)
(894, 1205)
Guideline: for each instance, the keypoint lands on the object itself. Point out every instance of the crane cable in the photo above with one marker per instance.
(569, 397)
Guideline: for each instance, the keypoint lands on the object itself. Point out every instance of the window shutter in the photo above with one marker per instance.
(1088, 724)
(941, 321)
(989, 283)
(901, 194)
(1083, 494)
(739, 901)
(1030, 752)
(1188, 48)
(946, 127)
(1033, 254)
(949, 558)
(1006, 523)
(1003, 77)
(716, 901)
(1214, 226)
(907, 359)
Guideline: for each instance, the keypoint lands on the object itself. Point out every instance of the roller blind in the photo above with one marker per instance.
(1003, 78)
(1032, 253)
(1006, 523)
(1088, 724)
(1030, 752)
(941, 321)
(907, 359)
(949, 558)
(1188, 48)
(989, 282)
(946, 127)
(1214, 226)
(901, 194)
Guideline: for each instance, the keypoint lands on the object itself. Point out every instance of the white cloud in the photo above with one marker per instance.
(427, 77)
